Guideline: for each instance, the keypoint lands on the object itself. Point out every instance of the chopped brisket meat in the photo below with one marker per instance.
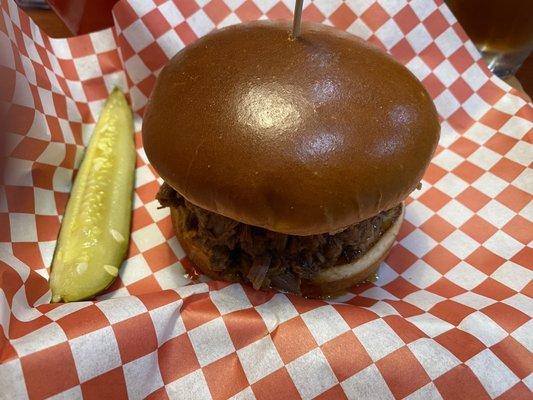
(265, 258)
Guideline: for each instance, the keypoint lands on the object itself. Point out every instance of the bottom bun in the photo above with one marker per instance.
(329, 282)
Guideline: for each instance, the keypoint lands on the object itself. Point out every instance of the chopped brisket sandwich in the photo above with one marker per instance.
(286, 160)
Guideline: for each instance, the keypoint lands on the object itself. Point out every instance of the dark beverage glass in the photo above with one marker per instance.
(84, 16)
(502, 30)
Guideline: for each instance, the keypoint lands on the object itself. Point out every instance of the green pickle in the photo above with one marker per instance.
(95, 230)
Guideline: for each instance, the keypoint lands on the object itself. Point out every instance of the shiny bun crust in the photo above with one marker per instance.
(301, 136)
(329, 282)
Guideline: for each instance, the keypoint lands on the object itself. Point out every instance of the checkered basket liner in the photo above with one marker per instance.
(448, 318)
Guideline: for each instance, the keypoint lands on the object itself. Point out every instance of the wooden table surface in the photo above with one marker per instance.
(54, 27)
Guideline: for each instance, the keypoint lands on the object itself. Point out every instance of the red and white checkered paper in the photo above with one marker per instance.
(449, 317)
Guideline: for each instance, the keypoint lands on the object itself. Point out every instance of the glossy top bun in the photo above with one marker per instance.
(300, 136)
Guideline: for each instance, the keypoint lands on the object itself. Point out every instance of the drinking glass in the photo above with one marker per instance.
(83, 16)
(502, 30)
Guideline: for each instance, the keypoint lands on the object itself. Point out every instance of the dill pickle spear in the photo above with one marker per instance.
(95, 230)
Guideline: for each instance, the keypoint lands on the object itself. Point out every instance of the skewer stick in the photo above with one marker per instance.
(297, 22)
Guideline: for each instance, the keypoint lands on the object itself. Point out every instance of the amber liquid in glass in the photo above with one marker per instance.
(501, 29)
(84, 16)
